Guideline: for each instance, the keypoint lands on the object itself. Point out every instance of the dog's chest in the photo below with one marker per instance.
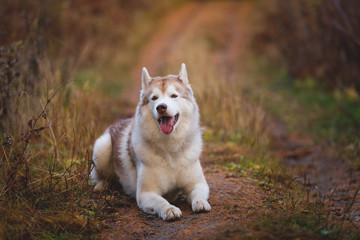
(174, 174)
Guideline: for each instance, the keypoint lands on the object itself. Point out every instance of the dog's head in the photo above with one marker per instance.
(168, 100)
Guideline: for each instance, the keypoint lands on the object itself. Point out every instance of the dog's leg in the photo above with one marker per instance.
(198, 196)
(197, 190)
(153, 203)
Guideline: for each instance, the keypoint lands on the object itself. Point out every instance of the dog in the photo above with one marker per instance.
(155, 155)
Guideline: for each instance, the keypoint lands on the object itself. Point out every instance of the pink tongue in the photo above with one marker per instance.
(166, 125)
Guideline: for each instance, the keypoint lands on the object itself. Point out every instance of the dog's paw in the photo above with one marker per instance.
(171, 213)
(201, 206)
(101, 186)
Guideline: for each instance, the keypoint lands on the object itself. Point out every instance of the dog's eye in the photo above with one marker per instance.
(174, 96)
(154, 98)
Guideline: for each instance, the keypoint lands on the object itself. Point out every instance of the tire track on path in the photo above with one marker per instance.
(171, 29)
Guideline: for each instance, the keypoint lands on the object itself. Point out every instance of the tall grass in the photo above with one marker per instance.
(318, 39)
(59, 90)
(45, 157)
(225, 113)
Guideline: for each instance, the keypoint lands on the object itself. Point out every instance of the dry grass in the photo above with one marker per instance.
(51, 122)
(328, 33)
(46, 156)
(226, 114)
(50, 118)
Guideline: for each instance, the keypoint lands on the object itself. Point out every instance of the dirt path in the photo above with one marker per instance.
(228, 19)
(229, 200)
(324, 173)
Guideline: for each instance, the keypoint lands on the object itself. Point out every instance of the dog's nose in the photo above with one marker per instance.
(161, 108)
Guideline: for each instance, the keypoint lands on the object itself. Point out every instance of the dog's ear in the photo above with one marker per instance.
(183, 74)
(145, 78)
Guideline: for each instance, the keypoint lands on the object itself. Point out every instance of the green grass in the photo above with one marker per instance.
(309, 108)
(330, 114)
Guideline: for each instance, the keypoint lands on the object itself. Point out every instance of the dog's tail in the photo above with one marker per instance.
(102, 158)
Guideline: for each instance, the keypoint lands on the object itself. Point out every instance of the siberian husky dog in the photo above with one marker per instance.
(155, 155)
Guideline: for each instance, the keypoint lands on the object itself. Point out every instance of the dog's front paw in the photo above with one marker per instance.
(171, 213)
(101, 186)
(201, 206)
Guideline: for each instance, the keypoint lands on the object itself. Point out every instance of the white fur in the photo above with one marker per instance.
(145, 77)
(164, 163)
(101, 158)
(183, 74)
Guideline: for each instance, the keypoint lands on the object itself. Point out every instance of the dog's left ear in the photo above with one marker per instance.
(183, 74)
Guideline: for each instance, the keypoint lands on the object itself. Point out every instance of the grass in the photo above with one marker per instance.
(236, 137)
(48, 131)
(227, 115)
(45, 170)
(309, 108)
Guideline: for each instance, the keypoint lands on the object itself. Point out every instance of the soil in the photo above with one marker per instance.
(319, 167)
(233, 199)
(229, 199)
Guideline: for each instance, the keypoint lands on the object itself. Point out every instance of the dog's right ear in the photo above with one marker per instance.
(145, 78)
